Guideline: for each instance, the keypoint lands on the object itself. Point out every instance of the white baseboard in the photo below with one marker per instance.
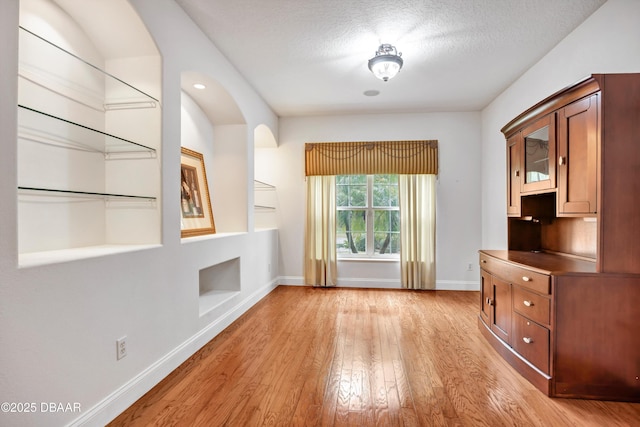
(291, 280)
(457, 285)
(354, 282)
(114, 404)
(444, 285)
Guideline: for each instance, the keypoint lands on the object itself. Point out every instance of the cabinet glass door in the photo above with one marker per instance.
(514, 181)
(538, 147)
(536, 158)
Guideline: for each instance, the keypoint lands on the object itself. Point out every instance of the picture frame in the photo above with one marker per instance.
(196, 215)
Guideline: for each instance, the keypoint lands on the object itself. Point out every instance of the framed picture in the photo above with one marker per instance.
(195, 204)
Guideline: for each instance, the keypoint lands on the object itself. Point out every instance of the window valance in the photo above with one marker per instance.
(379, 157)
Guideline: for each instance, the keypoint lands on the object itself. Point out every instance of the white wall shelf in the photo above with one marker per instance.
(65, 255)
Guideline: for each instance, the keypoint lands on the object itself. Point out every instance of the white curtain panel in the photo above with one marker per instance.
(417, 200)
(320, 233)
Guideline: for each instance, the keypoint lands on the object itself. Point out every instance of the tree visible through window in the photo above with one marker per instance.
(367, 215)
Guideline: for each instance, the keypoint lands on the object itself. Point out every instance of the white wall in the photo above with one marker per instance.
(607, 42)
(230, 178)
(458, 190)
(59, 322)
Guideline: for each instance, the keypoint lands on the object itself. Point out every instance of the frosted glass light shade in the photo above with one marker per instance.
(387, 62)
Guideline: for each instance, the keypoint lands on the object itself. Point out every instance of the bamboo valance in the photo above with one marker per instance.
(380, 157)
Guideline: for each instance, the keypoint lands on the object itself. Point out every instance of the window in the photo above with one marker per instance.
(367, 216)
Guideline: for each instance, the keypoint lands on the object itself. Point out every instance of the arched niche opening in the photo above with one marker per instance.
(263, 137)
(213, 125)
(89, 130)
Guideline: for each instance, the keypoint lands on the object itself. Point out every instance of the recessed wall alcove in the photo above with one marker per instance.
(213, 125)
(89, 131)
(218, 284)
(265, 194)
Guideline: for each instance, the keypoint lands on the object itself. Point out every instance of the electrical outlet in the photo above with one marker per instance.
(121, 347)
(470, 267)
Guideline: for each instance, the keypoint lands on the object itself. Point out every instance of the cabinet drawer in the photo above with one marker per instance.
(529, 279)
(531, 341)
(533, 306)
(516, 275)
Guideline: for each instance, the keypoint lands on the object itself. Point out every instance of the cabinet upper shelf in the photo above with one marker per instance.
(45, 128)
(90, 85)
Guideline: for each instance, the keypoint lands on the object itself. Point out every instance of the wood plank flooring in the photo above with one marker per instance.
(355, 357)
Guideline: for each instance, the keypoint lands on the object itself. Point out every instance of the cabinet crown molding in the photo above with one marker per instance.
(565, 96)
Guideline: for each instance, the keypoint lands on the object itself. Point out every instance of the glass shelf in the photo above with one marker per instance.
(90, 86)
(265, 202)
(44, 128)
(264, 208)
(86, 194)
(259, 185)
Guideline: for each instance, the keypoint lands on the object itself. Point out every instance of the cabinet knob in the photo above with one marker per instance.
(527, 303)
(562, 160)
(526, 278)
(527, 340)
(489, 301)
(484, 261)
(516, 173)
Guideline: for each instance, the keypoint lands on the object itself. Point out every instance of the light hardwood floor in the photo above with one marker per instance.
(354, 357)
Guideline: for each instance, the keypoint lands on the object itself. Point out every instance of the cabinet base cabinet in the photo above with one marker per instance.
(501, 309)
(597, 340)
(578, 340)
(531, 341)
(486, 297)
(536, 377)
(567, 382)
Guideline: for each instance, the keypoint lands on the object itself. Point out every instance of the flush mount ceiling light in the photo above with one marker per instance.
(199, 86)
(387, 62)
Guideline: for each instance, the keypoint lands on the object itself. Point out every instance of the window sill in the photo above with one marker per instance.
(365, 259)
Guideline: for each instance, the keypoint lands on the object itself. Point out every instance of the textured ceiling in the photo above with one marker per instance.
(310, 57)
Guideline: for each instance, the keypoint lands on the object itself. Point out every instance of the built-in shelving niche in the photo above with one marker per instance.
(218, 284)
(88, 173)
(265, 202)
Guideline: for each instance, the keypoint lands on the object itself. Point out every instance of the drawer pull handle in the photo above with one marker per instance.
(484, 261)
(527, 303)
(526, 278)
(527, 340)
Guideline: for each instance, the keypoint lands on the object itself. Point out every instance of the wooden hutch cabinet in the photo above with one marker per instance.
(562, 303)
